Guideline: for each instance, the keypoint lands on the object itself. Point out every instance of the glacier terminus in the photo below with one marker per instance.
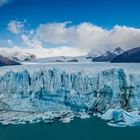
(50, 92)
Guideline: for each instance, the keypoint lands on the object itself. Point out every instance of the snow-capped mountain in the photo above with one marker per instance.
(108, 55)
(22, 56)
(16, 54)
(118, 51)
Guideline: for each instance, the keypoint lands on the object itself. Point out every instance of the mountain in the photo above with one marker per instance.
(108, 55)
(118, 51)
(18, 55)
(130, 56)
(4, 61)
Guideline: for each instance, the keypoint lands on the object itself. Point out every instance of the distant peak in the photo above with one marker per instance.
(118, 50)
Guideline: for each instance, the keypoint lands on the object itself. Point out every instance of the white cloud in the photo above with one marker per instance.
(69, 39)
(30, 42)
(56, 33)
(87, 36)
(16, 27)
(2, 2)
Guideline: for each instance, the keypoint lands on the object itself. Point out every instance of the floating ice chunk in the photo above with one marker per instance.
(84, 115)
(66, 120)
(113, 115)
(121, 118)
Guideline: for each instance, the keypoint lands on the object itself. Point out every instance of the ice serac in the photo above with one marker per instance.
(53, 93)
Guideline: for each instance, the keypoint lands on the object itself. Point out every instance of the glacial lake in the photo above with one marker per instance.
(78, 129)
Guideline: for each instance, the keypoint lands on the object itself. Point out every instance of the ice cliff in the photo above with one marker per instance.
(50, 93)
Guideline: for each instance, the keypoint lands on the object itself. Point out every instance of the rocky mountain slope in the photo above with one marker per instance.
(108, 55)
(130, 56)
(4, 61)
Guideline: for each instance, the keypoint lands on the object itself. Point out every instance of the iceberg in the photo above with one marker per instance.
(47, 93)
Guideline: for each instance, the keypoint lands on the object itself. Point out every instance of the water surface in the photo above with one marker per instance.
(78, 129)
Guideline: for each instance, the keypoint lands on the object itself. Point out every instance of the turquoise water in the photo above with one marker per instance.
(87, 129)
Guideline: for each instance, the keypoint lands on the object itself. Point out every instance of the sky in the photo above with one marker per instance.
(68, 27)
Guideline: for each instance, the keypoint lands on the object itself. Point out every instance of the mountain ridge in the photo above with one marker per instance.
(129, 56)
(4, 61)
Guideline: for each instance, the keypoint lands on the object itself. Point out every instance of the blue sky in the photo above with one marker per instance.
(58, 27)
(106, 13)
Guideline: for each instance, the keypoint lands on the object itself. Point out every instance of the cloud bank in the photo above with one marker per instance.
(66, 39)
(87, 36)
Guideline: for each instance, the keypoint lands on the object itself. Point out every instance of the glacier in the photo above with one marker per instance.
(49, 93)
